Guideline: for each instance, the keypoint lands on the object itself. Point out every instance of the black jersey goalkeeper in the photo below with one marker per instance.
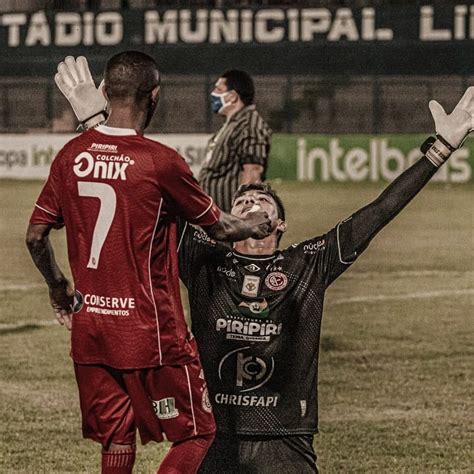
(256, 314)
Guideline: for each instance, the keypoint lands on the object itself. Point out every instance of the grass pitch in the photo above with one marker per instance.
(396, 371)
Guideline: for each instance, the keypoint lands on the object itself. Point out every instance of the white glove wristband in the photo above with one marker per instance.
(92, 122)
(438, 153)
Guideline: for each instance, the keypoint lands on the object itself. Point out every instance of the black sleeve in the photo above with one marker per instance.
(355, 233)
(195, 247)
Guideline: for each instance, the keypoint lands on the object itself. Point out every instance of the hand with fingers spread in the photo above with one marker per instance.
(455, 127)
(75, 81)
(451, 129)
(62, 300)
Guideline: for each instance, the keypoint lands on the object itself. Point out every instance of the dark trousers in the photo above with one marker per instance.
(231, 454)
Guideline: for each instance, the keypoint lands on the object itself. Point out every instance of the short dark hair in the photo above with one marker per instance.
(242, 83)
(131, 74)
(266, 189)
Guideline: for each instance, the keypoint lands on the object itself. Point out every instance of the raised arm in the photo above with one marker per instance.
(451, 131)
(60, 290)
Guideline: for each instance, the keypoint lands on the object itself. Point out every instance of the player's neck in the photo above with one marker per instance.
(265, 246)
(124, 117)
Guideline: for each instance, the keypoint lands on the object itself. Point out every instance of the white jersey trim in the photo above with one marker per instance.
(151, 284)
(182, 236)
(339, 251)
(46, 210)
(202, 213)
(116, 131)
(257, 259)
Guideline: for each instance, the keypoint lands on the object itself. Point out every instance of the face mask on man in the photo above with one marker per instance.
(218, 103)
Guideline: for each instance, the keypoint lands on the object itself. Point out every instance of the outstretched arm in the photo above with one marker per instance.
(451, 131)
(60, 290)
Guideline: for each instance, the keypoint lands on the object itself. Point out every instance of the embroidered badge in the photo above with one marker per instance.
(250, 285)
(276, 281)
(252, 268)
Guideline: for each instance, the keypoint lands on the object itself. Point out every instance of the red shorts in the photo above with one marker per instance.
(168, 402)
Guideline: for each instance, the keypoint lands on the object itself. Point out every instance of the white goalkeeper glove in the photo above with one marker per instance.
(75, 81)
(451, 130)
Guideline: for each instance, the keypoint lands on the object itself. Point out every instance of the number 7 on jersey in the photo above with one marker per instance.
(108, 203)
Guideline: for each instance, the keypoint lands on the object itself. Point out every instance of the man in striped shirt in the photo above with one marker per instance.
(237, 154)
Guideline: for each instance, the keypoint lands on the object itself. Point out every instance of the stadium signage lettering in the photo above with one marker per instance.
(69, 29)
(378, 162)
(246, 400)
(232, 26)
(11, 158)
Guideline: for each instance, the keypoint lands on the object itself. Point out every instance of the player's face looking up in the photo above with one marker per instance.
(253, 200)
(243, 204)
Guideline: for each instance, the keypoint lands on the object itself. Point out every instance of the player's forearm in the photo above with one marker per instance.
(230, 228)
(368, 221)
(42, 253)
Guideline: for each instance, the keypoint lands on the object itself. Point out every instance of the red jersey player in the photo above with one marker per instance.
(118, 194)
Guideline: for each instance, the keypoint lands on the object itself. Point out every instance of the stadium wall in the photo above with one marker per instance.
(305, 157)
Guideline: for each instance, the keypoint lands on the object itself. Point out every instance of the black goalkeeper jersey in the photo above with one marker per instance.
(257, 322)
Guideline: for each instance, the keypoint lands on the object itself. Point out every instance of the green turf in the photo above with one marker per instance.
(396, 376)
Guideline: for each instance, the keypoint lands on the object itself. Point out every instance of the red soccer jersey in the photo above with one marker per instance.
(119, 194)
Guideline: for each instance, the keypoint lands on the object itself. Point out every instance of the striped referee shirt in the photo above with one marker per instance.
(244, 138)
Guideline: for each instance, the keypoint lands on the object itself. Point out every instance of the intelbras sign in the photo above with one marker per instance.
(359, 158)
(318, 158)
(378, 161)
(237, 26)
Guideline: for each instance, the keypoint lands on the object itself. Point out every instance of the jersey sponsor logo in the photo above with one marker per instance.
(201, 237)
(253, 331)
(252, 268)
(246, 400)
(165, 408)
(78, 302)
(102, 166)
(314, 247)
(244, 370)
(108, 305)
(255, 309)
(228, 272)
(276, 281)
(250, 285)
(103, 147)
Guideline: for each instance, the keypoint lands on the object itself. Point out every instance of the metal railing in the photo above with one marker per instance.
(299, 104)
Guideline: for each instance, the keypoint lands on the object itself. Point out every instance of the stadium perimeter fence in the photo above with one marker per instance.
(290, 103)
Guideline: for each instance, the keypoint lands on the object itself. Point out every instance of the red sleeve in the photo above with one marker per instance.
(183, 194)
(48, 208)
